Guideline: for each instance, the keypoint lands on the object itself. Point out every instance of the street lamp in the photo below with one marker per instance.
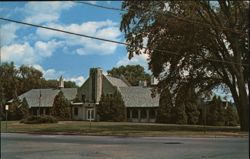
(6, 115)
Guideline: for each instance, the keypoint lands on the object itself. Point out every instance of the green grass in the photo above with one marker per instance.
(119, 129)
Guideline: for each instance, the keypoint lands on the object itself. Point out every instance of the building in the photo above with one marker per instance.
(140, 106)
(40, 101)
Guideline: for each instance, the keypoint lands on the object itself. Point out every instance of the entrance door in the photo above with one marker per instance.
(90, 114)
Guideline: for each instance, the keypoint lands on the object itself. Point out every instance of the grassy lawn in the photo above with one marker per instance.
(120, 129)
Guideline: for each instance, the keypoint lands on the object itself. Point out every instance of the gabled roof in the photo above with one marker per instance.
(138, 97)
(47, 96)
(116, 81)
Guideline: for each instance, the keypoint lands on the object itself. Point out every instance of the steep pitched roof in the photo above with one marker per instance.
(116, 81)
(47, 96)
(138, 97)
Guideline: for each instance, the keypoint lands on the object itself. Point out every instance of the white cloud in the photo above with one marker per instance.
(19, 53)
(8, 33)
(26, 54)
(104, 29)
(78, 80)
(44, 12)
(54, 74)
(46, 49)
(49, 73)
(136, 60)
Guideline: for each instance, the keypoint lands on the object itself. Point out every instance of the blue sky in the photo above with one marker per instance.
(57, 54)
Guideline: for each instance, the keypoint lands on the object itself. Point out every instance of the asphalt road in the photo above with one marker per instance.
(26, 146)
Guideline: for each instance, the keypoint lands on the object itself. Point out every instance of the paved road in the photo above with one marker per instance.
(25, 146)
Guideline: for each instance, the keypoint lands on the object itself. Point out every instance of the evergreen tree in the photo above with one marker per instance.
(216, 112)
(24, 109)
(179, 115)
(61, 109)
(230, 117)
(191, 107)
(112, 108)
(165, 107)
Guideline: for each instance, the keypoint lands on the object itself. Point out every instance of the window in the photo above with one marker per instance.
(143, 113)
(76, 111)
(134, 113)
(152, 114)
(83, 98)
(90, 114)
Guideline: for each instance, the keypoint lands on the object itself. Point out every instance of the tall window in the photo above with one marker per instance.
(76, 111)
(83, 98)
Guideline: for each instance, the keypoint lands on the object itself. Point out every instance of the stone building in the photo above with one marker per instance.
(140, 106)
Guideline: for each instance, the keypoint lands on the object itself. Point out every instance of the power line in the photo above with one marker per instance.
(100, 6)
(170, 14)
(107, 40)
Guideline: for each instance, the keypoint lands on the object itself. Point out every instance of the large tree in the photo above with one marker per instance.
(132, 73)
(61, 107)
(203, 43)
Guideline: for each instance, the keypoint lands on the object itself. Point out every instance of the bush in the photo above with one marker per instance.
(39, 119)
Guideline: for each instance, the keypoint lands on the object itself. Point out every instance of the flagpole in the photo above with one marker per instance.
(40, 95)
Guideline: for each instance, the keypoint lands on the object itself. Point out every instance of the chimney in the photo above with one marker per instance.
(154, 81)
(95, 75)
(61, 82)
(143, 83)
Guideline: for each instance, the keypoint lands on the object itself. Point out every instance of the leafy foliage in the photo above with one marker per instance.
(133, 73)
(196, 37)
(61, 107)
(165, 107)
(112, 108)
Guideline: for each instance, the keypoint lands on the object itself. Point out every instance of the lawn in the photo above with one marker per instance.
(120, 129)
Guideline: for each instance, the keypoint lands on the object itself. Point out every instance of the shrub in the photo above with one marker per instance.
(39, 119)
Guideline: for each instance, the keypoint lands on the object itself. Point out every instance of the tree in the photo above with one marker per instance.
(14, 112)
(191, 106)
(230, 116)
(61, 109)
(216, 114)
(203, 43)
(133, 73)
(165, 107)
(179, 115)
(24, 108)
(111, 108)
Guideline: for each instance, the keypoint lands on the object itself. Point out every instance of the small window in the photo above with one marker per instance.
(76, 111)
(143, 113)
(83, 98)
(152, 114)
(134, 113)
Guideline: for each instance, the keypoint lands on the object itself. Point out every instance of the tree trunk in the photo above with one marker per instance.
(243, 104)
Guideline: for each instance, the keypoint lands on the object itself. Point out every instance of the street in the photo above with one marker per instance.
(27, 146)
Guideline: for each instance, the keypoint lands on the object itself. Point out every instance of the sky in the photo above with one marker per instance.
(57, 54)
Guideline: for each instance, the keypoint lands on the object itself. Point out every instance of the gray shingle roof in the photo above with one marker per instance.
(47, 96)
(138, 97)
(116, 81)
